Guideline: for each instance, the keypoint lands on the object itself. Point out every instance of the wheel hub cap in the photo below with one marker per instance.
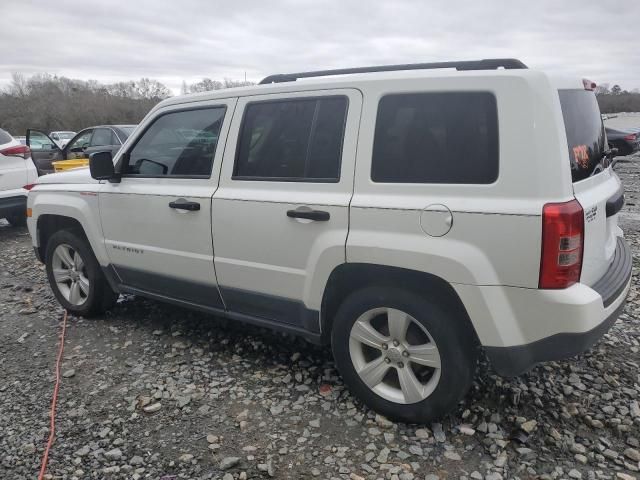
(394, 355)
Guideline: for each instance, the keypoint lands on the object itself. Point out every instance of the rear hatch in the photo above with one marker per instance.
(595, 185)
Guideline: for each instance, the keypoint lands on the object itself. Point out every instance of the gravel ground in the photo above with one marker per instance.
(153, 391)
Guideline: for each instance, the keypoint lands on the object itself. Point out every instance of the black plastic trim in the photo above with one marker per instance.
(180, 289)
(275, 313)
(485, 64)
(514, 361)
(615, 203)
(615, 279)
(279, 309)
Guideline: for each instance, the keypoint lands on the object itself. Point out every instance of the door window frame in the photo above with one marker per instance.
(123, 161)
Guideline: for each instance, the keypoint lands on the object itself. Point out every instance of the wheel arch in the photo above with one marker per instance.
(350, 277)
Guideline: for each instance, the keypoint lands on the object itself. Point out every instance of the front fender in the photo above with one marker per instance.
(81, 206)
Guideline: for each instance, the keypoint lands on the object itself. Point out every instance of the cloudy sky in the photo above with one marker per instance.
(172, 41)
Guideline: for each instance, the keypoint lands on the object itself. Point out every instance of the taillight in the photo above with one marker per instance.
(562, 244)
(588, 84)
(17, 151)
(29, 186)
(631, 137)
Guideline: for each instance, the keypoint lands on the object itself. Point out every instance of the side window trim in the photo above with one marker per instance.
(252, 178)
(125, 156)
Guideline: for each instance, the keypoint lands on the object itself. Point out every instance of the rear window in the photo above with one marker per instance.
(5, 137)
(585, 133)
(444, 137)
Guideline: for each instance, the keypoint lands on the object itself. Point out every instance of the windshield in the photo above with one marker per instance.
(65, 135)
(585, 133)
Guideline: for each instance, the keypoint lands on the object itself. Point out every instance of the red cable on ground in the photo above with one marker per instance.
(54, 400)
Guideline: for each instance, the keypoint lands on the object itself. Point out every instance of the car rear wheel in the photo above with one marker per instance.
(75, 275)
(404, 355)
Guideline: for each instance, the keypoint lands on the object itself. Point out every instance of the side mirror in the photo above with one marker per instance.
(101, 166)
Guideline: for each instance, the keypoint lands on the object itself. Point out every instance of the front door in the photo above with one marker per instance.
(280, 215)
(157, 220)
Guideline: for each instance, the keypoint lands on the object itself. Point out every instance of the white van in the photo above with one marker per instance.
(406, 215)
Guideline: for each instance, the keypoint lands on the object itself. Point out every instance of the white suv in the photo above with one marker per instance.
(407, 215)
(17, 171)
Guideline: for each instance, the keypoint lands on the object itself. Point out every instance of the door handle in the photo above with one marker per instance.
(317, 215)
(184, 205)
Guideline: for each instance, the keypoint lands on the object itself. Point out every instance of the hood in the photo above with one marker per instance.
(75, 175)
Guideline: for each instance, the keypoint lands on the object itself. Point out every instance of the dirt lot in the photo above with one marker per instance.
(153, 391)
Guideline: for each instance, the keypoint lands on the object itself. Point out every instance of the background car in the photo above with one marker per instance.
(21, 139)
(16, 171)
(627, 141)
(62, 138)
(49, 157)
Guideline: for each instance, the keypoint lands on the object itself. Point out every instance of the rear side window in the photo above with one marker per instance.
(585, 133)
(292, 140)
(5, 137)
(102, 137)
(448, 137)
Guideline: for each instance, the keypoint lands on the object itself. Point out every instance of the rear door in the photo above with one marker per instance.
(595, 184)
(281, 212)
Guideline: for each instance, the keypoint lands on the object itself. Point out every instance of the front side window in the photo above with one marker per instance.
(81, 142)
(445, 137)
(178, 144)
(292, 140)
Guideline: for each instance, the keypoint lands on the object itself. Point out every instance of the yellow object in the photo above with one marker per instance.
(62, 165)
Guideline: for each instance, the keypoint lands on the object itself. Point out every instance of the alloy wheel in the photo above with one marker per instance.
(70, 275)
(394, 355)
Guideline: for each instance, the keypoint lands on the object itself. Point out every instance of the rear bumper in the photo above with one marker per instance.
(11, 206)
(612, 290)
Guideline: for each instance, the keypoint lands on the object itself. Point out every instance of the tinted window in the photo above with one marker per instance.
(179, 143)
(102, 137)
(4, 137)
(585, 132)
(292, 140)
(436, 138)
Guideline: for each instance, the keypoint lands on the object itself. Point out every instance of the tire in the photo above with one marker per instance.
(84, 292)
(431, 324)
(17, 220)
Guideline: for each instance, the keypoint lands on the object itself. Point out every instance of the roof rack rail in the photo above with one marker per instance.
(486, 64)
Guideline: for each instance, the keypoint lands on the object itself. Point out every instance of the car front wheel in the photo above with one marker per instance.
(75, 275)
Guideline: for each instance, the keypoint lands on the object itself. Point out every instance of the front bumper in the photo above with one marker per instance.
(612, 288)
